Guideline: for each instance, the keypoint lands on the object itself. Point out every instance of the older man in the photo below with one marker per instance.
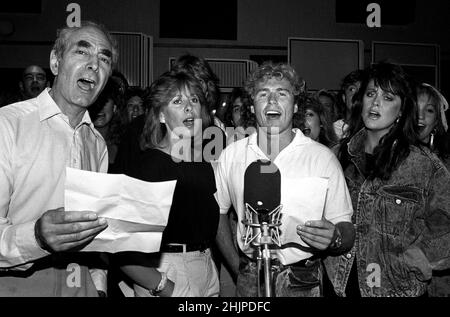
(39, 138)
(275, 90)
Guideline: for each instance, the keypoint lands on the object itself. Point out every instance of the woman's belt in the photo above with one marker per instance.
(182, 248)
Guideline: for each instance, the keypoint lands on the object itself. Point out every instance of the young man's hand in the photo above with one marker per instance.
(317, 233)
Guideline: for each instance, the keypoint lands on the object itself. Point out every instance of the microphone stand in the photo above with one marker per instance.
(268, 223)
(258, 268)
(265, 241)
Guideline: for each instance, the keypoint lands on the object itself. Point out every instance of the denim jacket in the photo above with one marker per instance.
(402, 225)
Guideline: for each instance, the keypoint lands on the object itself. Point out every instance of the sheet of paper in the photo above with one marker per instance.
(303, 199)
(136, 211)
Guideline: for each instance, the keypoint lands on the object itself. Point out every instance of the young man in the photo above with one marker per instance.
(274, 90)
(39, 138)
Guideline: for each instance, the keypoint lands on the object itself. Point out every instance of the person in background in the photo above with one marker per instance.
(121, 81)
(328, 100)
(239, 123)
(400, 193)
(238, 115)
(433, 127)
(39, 138)
(184, 267)
(133, 116)
(349, 87)
(434, 134)
(275, 89)
(317, 123)
(33, 82)
(134, 103)
(105, 115)
(123, 86)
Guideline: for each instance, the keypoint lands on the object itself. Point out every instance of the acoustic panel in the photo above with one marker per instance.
(322, 63)
(420, 60)
(135, 57)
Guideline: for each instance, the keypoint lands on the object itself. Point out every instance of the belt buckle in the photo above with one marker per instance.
(308, 263)
(176, 247)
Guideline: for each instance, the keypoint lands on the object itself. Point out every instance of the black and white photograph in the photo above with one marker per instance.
(236, 156)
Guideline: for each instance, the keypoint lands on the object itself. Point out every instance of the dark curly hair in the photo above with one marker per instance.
(247, 118)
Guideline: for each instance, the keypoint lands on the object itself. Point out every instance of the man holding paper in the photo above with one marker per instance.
(303, 165)
(39, 138)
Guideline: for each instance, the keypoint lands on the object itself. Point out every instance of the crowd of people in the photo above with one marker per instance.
(381, 142)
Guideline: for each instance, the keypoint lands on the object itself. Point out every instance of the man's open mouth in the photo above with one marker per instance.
(86, 84)
(272, 114)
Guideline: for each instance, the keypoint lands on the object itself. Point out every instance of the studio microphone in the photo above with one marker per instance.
(262, 196)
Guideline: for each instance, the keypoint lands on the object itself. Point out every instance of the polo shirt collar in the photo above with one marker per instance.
(299, 138)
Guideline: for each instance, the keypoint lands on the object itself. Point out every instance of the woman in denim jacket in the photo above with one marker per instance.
(434, 134)
(400, 193)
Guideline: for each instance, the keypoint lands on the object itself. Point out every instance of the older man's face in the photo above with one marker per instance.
(84, 68)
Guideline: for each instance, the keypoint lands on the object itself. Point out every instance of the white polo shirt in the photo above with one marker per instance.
(302, 158)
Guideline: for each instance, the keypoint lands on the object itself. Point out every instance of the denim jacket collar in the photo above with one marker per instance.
(355, 149)
(356, 143)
